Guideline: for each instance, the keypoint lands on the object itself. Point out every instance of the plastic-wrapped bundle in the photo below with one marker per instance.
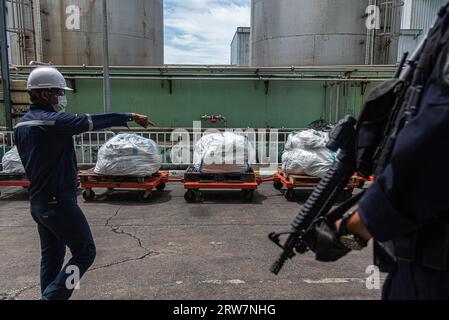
(223, 152)
(12, 163)
(129, 155)
(306, 153)
(313, 163)
(309, 139)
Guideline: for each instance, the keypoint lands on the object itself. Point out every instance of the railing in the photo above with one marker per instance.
(6, 142)
(88, 144)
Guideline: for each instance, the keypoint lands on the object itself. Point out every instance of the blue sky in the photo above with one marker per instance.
(201, 31)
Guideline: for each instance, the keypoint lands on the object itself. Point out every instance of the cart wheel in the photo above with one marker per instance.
(278, 185)
(88, 195)
(145, 196)
(190, 196)
(290, 195)
(248, 195)
(161, 186)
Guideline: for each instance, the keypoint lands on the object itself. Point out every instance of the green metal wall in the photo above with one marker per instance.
(287, 104)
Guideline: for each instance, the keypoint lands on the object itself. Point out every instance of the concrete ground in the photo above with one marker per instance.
(168, 249)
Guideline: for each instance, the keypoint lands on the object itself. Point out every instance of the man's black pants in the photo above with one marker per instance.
(61, 225)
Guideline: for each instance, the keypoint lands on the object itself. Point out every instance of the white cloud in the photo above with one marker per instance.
(201, 31)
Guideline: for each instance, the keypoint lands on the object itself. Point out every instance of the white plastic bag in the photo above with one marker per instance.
(295, 162)
(129, 155)
(306, 153)
(309, 139)
(313, 163)
(12, 163)
(223, 152)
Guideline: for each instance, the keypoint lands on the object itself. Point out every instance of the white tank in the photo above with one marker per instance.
(135, 32)
(311, 32)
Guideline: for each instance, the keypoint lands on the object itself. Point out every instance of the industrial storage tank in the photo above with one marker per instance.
(317, 32)
(135, 32)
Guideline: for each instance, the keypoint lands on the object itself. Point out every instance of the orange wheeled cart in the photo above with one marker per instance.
(14, 180)
(309, 183)
(195, 181)
(89, 181)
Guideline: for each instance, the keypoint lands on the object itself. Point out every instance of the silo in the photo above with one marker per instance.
(310, 32)
(135, 32)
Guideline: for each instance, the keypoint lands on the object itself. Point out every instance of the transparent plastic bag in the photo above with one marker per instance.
(309, 139)
(129, 155)
(223, 152)
(12, 163)
(306, 153)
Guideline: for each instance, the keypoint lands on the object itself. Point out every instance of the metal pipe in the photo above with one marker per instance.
(331, 100)
(21, 30)
(337, 104)
(33, 31)
(232, 79)
(106, 82)
(37, 26)
(214, 119)
(5, 65)
(216, 69)
(367, 39)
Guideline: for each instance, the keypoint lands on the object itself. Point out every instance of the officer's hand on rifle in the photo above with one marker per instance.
(332, 241)
(353, 225)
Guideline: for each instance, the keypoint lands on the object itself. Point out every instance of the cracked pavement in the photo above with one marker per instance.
(168, 249)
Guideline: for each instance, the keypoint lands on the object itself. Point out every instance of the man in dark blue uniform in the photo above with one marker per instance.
(44, 138)
(408, 205)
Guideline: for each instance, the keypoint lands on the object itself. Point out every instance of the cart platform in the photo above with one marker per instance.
(195, 181)
(14, 180)
(308, 183)
(90, 180)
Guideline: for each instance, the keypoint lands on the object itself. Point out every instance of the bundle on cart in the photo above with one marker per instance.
(11, 162)
(129, 155)
(306, 153)
(221, 160)
(223, 152)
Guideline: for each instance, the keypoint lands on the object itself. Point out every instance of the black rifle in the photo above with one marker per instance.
(386, 112)
(324, 196)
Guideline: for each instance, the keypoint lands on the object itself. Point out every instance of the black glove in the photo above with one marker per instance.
(325, 243)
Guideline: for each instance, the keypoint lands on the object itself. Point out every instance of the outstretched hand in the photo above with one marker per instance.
(142, 120)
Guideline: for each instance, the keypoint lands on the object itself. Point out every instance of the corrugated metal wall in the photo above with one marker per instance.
(424, 13)
(418, 17)
(240, 47)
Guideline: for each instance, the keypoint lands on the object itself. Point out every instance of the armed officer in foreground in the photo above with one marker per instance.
(44, 138)
(408, 205)
(402, 138)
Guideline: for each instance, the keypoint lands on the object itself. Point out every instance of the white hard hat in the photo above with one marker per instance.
(46, 78)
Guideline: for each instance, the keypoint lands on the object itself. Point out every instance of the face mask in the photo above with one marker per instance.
(62, 104)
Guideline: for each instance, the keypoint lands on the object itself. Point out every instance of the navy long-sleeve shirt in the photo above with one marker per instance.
(44, 139)
(413, 190)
